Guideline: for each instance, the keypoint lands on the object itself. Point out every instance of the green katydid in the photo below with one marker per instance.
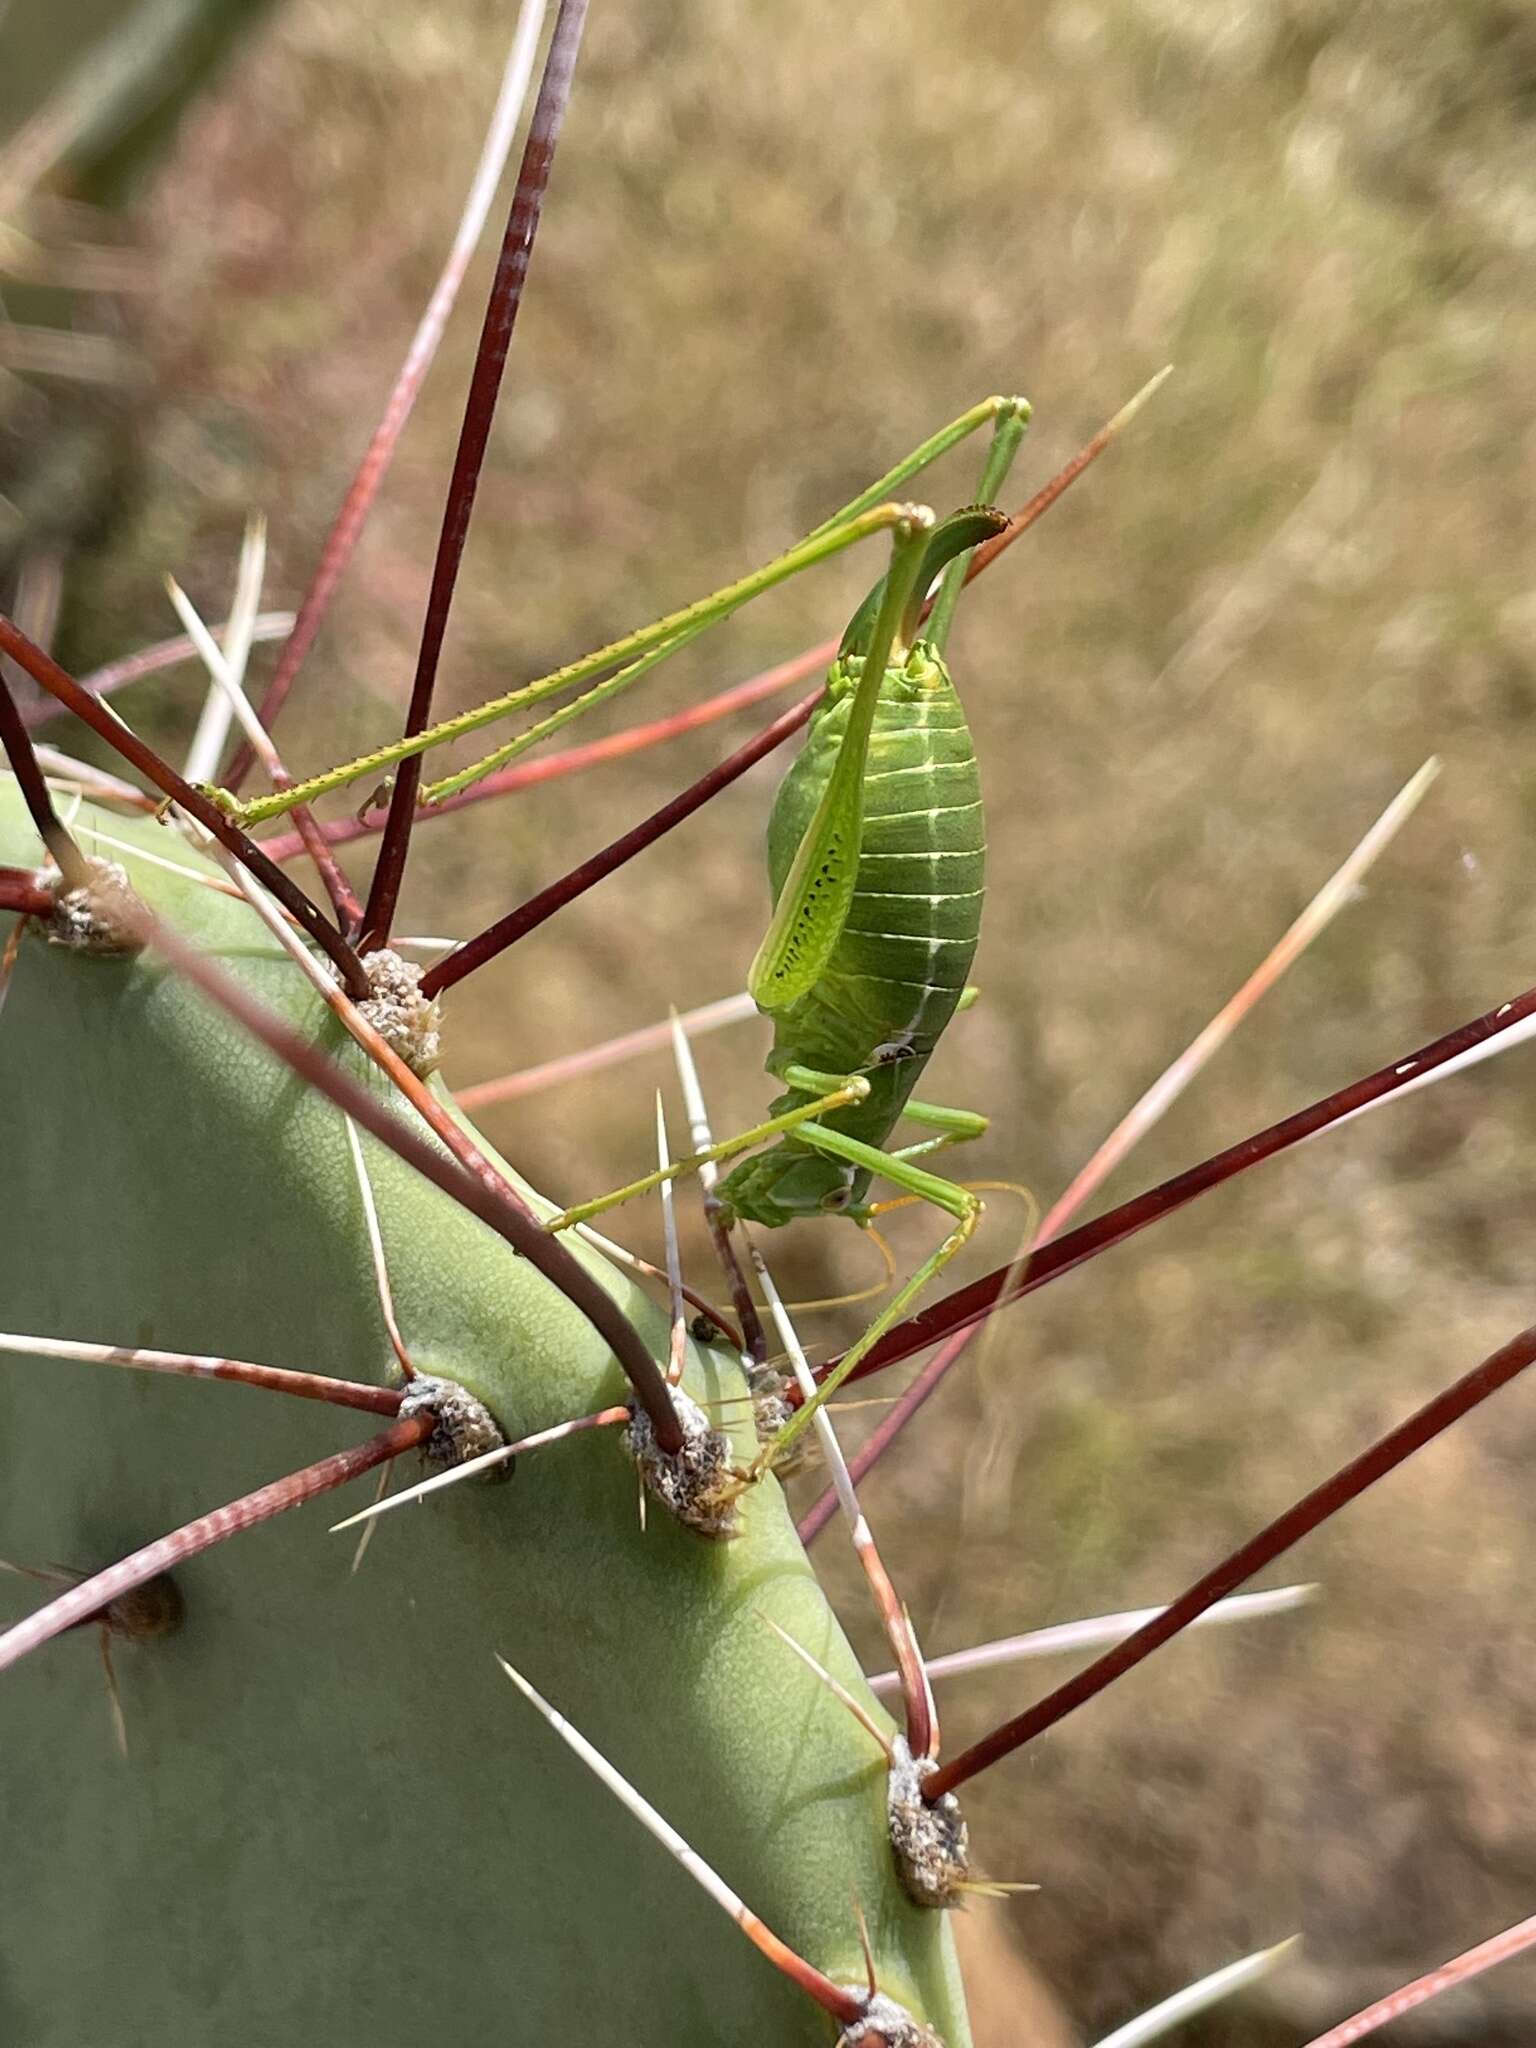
(876, 855)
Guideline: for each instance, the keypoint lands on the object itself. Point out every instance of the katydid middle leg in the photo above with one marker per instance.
(828, 1092)
(825, 1093)
(964, 1206)
(954, 1126)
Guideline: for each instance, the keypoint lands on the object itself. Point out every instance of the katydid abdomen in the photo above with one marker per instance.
(900, 963)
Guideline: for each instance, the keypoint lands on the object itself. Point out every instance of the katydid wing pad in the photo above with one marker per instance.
(813, 905)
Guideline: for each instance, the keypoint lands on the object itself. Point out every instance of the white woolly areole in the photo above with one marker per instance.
(931, 1841)
(771, 1410)
(464, 1428)
(90, 919)
(408, 1023)
(698, 1482)
(885, 2024)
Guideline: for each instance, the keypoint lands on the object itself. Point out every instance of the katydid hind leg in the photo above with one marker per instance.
(961, 1125)
(957, 1202)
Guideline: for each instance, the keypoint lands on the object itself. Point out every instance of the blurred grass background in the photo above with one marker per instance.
(781, 246)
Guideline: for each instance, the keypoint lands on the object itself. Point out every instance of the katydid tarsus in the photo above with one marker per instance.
(876, 854)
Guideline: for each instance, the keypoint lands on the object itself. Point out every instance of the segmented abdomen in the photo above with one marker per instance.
(899, 967)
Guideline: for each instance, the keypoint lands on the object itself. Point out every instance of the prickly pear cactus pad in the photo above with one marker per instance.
(336, 1820)
(453, 1671)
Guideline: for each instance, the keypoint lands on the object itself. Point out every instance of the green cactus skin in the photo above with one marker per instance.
(338, 1823)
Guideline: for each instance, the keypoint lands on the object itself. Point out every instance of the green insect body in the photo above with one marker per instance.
(899, 965)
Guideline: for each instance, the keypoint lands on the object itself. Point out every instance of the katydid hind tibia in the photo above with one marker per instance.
(625, 661)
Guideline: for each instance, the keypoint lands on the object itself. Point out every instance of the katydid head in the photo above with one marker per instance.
(921, 670)
(788, 1183)
(953, 536)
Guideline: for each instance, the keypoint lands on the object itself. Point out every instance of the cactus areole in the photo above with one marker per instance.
(335, 1822)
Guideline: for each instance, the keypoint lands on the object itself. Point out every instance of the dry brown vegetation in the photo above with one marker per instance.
(783, 242)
